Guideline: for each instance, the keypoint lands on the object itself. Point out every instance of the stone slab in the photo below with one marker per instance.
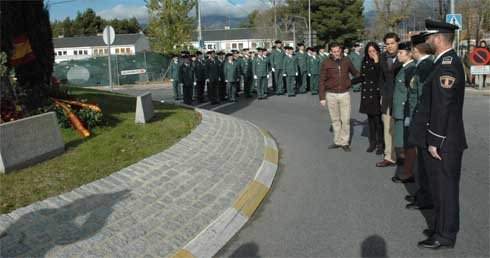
(144, 109)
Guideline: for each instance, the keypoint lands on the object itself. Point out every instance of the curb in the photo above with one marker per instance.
(209, 241)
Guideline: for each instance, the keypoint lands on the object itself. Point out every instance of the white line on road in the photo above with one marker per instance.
(203, 104)
(222, 106)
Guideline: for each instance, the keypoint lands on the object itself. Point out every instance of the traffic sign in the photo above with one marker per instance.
(480, 56)
(201, 43)
(456, 19)
(480, 69)
(135, 71)
(109, 35)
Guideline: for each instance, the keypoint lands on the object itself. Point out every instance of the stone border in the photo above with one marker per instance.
(222, 229)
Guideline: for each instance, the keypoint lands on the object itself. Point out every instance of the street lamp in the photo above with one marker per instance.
(309, 23)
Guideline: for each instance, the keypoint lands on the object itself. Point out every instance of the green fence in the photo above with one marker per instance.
(94, 71)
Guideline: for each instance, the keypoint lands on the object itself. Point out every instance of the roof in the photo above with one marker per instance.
(89, 41)
(234, 34)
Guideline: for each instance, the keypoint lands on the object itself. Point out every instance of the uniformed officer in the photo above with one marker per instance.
(400, 105)
(356, 58)
(422, 53)
(213, 76)
(200, 72)
(445, 135)
(246, 70)
(313, 70)
(322, 54)
(302, 73)
(186, 78)
(173, 71)
(222, 83)
(231, 73)
(277, 63)
(236, 59)
(261, 73)
(290, 71)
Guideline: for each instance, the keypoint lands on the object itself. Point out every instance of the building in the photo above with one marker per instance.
(239, 38)
(75, 48)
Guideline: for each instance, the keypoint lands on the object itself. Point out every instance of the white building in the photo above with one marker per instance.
(239, 38)
(74, 48)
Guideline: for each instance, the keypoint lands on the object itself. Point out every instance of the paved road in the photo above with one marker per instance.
(328, 203)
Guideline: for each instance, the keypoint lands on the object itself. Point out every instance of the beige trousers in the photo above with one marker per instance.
(388, 135)
(339, 108)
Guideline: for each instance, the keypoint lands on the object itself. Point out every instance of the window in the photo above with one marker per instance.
(60, 53)
(55, 54)
(128, 50)
(240, 45)
(85, 52)
(105, 50)
(75, 52)
(210, 46)
(233, 45)
(254, 45)
(64, 53)
(117, 50)
(80, 52)
(227, 45)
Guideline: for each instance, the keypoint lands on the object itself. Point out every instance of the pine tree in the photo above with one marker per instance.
(170, 27)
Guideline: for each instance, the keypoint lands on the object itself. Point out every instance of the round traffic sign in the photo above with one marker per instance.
(480, 56)
(108, 35)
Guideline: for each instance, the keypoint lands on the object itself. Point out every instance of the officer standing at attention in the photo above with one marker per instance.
(222, 83)
(445, 135)
(261, 73)
(213, 75)
(301, 57)
(277, 63)
(313, 70)
(290, 71)
(322, 54)
(200, 71)
(231, 72)
(246, 70)
(186, 78)
(173, 71)
(356, 57)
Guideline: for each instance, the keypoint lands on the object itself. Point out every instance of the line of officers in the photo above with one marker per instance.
(291, 72)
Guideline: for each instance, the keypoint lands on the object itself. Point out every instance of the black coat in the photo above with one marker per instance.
(371, 78)
(388, 81)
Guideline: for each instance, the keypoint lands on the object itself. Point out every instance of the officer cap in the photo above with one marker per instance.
(220, 53)
(234, 51)
(301, 44)
(245, 49)
(356, 45)
(185, 56)
(259, 49)
(433, 27)
(185, 52)
(406, 45)
(418, 38)
(210, 52)
(198, 53)
(228, 54)
(277, 42)
(193, 55)
(174, 56)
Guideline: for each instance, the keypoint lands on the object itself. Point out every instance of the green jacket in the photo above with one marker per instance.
(313, 65)
(173, 71)
(277, 58)
(400, 94)
(200, 70)
(290, 67)
(356, 60)
(221, 69)
(213, 69)
(260, 67)
(301, 57)
(421, 73)
(322, 57)
(231, 71)
(246, 66)
(186, 75)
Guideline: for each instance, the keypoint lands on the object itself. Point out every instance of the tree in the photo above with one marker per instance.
(88, 23)
(391, 13)
(251, 20)
(170, 27)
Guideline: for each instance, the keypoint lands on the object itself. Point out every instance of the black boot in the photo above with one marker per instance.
(380, 149)
(371, 147)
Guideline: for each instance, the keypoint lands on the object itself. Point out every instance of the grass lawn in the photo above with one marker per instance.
(110, 148)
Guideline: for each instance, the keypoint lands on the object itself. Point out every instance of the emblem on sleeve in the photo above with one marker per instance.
(447, 60)
(446, 81)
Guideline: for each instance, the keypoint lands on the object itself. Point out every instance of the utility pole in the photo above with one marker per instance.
(275, 18)
(199, 37)
(309, 23)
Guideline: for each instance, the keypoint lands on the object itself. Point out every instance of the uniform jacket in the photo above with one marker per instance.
(313, 65)
(277, 58)
(438, 120)
(422, 71)
(246, 66)
(173, 70)
(371, 80)
(200, 70)
(186, 75)
(356, 59)
(301, 57)
(322, 57)
(231, 71)
(400, 94)
(290, 65)
(213, 69)
(221, 69)
(334, 77)
(260, 67)
(388, 82)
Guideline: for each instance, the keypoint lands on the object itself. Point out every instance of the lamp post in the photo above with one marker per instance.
(309, 23)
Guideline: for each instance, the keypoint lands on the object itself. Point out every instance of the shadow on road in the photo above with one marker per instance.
(246, 250)
(373, 246)
(44, 229)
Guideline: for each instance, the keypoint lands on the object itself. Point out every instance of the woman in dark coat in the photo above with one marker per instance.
(371, 75)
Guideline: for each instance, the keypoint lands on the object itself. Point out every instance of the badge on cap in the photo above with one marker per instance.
(447, 60)
(447, 81)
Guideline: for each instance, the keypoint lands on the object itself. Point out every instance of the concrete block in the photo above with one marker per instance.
(29, 141)
(144, 108)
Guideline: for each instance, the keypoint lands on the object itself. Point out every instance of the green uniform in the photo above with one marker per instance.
(260, 68)
(277, 63)
(213, 73)
(323, 57)
(231, 73)
(356, 60)
(302, 73)
(422, 71)
(290, 71)
(313, 69)
(173, 72)
(200, 72)
(222, 83)
(246, 71)
(187, 79)
(400, 103)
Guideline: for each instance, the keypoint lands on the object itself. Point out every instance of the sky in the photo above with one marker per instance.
(109, 9)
